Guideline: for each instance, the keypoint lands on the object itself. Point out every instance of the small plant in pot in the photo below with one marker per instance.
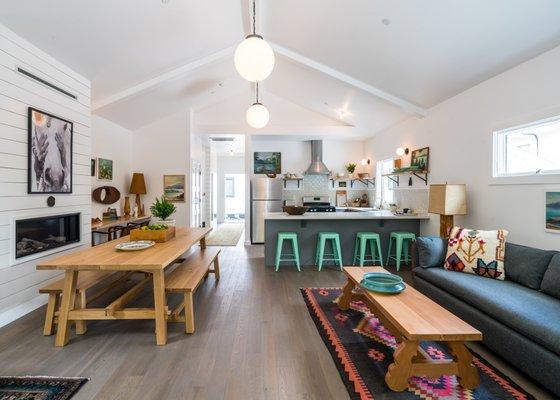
(163, 209)
(350, 168)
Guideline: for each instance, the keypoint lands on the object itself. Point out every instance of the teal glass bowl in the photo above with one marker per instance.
(380, 279)
(399, 287)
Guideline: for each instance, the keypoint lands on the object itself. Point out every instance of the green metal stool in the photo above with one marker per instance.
(360, 246)
(401, 239)
(290, 236)
(335, 243)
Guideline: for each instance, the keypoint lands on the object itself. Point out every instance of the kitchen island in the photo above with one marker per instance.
(346, 223)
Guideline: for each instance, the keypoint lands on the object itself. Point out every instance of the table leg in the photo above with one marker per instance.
(400, 370)
(67, 303)
(159, 307)
(346, 297)
(468, 374)
(203, 243)
(81, 302)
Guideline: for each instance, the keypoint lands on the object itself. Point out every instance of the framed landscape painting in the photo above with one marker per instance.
(174, 187)
(265, 162)
(552, 212)
(49, 153)
(104, 169)
(420, 158)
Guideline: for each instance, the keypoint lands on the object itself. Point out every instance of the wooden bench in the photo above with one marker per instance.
(186, 278)
(86, 280)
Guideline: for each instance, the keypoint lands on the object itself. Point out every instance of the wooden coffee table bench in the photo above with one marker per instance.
(412, 317)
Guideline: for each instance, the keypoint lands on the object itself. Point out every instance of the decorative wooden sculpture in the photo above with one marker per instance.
(106, 195)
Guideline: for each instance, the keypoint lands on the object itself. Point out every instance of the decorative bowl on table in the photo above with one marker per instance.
(382, 282)
(159, 233)
(363, 175)
(295, 210)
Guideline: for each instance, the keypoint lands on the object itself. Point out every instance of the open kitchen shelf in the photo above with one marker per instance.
(422, 175)
(298, 180)
(366, 181)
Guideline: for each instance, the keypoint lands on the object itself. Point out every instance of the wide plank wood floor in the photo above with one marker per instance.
(254, 340)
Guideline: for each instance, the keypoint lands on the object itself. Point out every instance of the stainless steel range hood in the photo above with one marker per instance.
(317, 167)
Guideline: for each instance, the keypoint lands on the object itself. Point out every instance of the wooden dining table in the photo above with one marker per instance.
(105, 257)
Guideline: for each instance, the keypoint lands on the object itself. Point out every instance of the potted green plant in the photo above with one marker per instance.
(163, 209)
(350, 168)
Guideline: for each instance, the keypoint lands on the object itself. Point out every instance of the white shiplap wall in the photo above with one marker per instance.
(19, 283)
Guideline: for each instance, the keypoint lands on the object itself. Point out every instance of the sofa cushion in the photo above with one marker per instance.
(476, 252)
(526, 265)
(551, 281)
(533, 314)
(431, 251)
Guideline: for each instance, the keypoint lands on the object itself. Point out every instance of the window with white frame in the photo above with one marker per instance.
(383, 192)
(526, 150)
(229, 187)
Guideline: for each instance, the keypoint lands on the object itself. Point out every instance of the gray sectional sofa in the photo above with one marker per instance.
(519, 317)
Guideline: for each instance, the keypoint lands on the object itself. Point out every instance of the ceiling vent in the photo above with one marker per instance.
(46, 83)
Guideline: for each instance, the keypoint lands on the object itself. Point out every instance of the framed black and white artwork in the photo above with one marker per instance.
(49, 153)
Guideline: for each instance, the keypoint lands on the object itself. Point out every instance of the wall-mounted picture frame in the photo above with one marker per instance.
(342, 184)
(267, 162)
(104, 169)
(92, 167)
(420, 158)
(49, 153)
(174, 188)
(552, 211)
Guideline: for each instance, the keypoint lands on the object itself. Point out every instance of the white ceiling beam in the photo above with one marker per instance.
(163, 78)
(299, 58)
(291, 130)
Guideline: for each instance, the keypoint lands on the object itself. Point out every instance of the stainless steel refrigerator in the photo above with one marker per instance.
(266, 196)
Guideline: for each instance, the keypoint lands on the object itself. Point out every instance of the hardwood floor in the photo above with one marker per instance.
(254, 339)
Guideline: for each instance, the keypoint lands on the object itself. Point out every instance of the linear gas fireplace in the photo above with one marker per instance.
(35, 235)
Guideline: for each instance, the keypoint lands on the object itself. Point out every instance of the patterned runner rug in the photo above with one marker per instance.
(38, 387)
(362, 349)
(227, 234)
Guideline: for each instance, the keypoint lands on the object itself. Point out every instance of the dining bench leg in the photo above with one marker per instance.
(159, 308)
(189, 312)
(52, 306)
(67, 304)
(81, 302)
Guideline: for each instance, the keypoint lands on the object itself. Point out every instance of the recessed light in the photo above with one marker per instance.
(384, 21)
(165, 1)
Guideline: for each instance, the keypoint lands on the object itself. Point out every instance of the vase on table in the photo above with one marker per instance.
(126, 206)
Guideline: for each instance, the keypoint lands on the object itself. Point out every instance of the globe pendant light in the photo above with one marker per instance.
(254, 58)
(257, 115)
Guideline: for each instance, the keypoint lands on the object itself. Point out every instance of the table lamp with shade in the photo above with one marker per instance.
(138, 187)
(447, 200)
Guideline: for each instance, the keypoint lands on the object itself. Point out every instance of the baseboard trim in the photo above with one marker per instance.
(19, 311)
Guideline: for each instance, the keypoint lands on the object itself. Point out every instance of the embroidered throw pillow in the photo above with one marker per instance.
(477, 252)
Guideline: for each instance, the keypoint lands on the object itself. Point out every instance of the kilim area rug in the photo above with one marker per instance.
(38, 387)
(362, 349)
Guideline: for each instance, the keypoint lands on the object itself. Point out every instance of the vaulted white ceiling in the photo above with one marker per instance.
(347, 67)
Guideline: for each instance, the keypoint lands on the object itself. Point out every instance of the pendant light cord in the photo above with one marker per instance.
(257, 92)
(254, 19)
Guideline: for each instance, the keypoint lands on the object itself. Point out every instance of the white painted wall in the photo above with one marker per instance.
(19, 283)
(459, 133)
(160, 148)
(226, 165)
(113, 142)
(296, 155)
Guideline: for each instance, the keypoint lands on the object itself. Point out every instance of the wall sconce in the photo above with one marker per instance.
(365, 161)
(401, 152)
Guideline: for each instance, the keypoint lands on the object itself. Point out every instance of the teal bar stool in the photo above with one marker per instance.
(288, 236)
(360, 248)
(401, 240)
(335, 256)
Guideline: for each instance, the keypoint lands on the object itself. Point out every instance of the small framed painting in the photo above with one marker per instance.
(104, 169)
(267, 162)
(49, 153)
(552, 211)
(93, 167)
(420, 158)
(342, 184)
(174, 187)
